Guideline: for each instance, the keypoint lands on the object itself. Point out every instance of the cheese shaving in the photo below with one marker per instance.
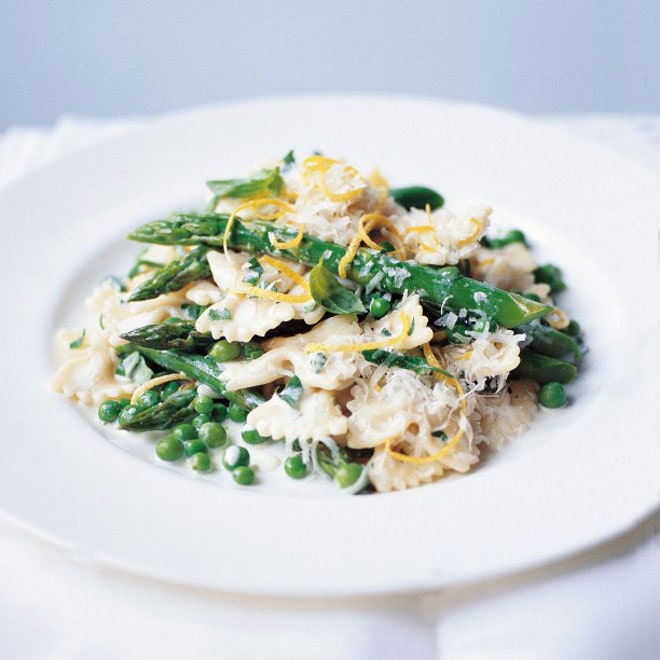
(287, 270)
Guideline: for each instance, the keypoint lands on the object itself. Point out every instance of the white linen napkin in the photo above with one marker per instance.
(601, 605)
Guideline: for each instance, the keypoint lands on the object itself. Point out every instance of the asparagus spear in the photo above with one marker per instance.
(392, 359)
(543, 369)
(175, 409)
(175, 334)
(174, 276)
(445, 286)
(551, 342)
(205, 370)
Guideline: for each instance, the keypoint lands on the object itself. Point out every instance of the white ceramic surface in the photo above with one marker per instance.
(579, 477)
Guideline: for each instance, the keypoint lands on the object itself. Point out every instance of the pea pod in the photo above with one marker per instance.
(543, 369)
(417, 197)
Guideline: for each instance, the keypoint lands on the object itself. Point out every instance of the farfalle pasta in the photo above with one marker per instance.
(358, 331)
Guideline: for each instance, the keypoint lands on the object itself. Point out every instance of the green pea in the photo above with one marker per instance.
(379, 307)
(198, 420)
(252, 437)
(417, 197)
(109, 411)
(252, 350)
(203, 404)
(514, 236)
(236, 413)
(169, 389)
(219, 413)
(224, 351)
(127, 414)
(573, 329)
(123, 402)
(212, 434)
(243, 475)
(550, 275)
(235, 456)
(184, 432)
(148, 399)
(347, 474)
(170, 449)
(552, 395)
(201, 462)
(194, 447)
(295, 467)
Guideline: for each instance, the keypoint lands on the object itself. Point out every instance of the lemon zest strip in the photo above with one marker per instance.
(468, 239)
(422, 460)
(287, 270)
(285, 245)
(367, 346)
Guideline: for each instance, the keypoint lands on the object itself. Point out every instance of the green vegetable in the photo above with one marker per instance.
(252, 437)
(174, 276)
(417, 197)
(379, 307)
(165, 414)
(170, 449)
(572, 329)
(243, 475)
(212, 434)
(551, 342)
(543, 369)
(443, 285)
(219, 314)
(148, 399)
(194, 446)
(205, 370)
(201, 462)
(235, 456)
(347, 474)
(225, 351)
(203, 404)
(550, 275)
(174, 334)
(77, 343)
(170, 388)
(295, 467)
(552, 395)
(252, 350)
(109, 410)
(318, 361)
(198, 420)
(253, 271)
(331, 295)
(236, 413)
(134, 366)
(237, 188)
(219, 413)
(289, 159)
(184, 432)
(292, 391)
(393, 359)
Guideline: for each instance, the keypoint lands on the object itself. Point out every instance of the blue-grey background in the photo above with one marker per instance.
(117, 57)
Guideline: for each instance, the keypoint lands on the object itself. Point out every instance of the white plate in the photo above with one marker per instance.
(580, 476)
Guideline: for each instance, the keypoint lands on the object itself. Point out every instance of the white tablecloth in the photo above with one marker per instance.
(601, 605)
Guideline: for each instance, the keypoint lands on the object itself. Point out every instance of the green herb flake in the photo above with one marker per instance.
(77, 343)
(192, 311)
(289, 159)
(252, 271)
(331, 295)
(292, 391)
(438, 433)
(318, 361)
(412, 328)
(219, 314)
(386, 332)
(134, 366)
(239, 188)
